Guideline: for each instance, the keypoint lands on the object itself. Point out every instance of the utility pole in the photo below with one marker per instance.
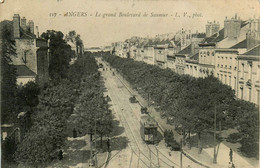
(158, 157)
(96, 141)
(215, 127)
(181, 159)
(181, 155)
(148, 99)
(150, 157)
(91, 152)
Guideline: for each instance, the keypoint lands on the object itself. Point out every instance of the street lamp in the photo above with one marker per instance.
(215, 125)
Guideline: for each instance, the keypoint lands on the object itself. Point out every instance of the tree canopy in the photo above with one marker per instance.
(191, 101)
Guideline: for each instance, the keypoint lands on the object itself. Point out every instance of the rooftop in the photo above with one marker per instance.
(23, 70)
(9, 25)
(242, 44)
(195, 57)
(254, 51)
(186, 50)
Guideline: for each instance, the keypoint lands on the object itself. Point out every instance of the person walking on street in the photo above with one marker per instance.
(231, 155)
(108, 144)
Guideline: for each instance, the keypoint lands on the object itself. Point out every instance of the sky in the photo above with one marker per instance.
(96, 28)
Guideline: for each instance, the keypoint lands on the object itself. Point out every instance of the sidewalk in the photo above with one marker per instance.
(206, 157)
(76, 154)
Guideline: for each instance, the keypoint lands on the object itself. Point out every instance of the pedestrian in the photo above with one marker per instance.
(231, 155)
(60, 154)
(74, 133)
(108, 144)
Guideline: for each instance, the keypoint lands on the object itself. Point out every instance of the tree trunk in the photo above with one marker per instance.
(101, 141)
(189, 141)
(91, 137)
(183, 137)
(199, 144)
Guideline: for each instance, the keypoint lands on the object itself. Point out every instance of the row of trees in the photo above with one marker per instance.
(75, 101)
(92, 113)
(192, 101)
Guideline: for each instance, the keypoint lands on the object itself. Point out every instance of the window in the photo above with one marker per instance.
(218, 65)
(230, 67)
(230, 57)
(208, 53)
(235, 83)
(242, 70)
(24, 58)
(213, 53)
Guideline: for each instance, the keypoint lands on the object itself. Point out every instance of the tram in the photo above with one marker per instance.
(148, 129)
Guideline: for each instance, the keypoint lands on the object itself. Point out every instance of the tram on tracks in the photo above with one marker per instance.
(149, 129)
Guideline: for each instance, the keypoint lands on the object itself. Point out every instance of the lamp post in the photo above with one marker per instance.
(215, 127)
(95, 141)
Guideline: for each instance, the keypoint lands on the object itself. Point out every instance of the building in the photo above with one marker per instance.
(148, 54)
(32, 56)
(253, 35)
(225, 66)
(160, 54)
(248, 72)
(193, 66)
(212, 28)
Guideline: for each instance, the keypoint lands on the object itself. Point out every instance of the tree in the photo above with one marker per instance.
(192, 102)
(27, 96)
(8, 76)
(60, 54)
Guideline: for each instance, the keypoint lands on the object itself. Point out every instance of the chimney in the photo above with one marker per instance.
(16, 25)
(23, 24)
(31, 26)
(37, 32)
(232, 28)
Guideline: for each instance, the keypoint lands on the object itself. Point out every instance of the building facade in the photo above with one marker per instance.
(32, 56)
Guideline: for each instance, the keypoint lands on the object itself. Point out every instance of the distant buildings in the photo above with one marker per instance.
(230, 54)
(32, 57)
(76, 44)
(98, 49)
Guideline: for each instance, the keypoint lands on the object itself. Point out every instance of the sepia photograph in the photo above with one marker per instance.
(130, 83)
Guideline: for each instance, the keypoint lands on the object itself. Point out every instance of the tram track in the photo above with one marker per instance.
(149, 148)
(163, 158)
(154, 152)
(133, 144)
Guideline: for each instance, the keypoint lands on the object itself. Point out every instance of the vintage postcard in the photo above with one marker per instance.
(130, 83)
